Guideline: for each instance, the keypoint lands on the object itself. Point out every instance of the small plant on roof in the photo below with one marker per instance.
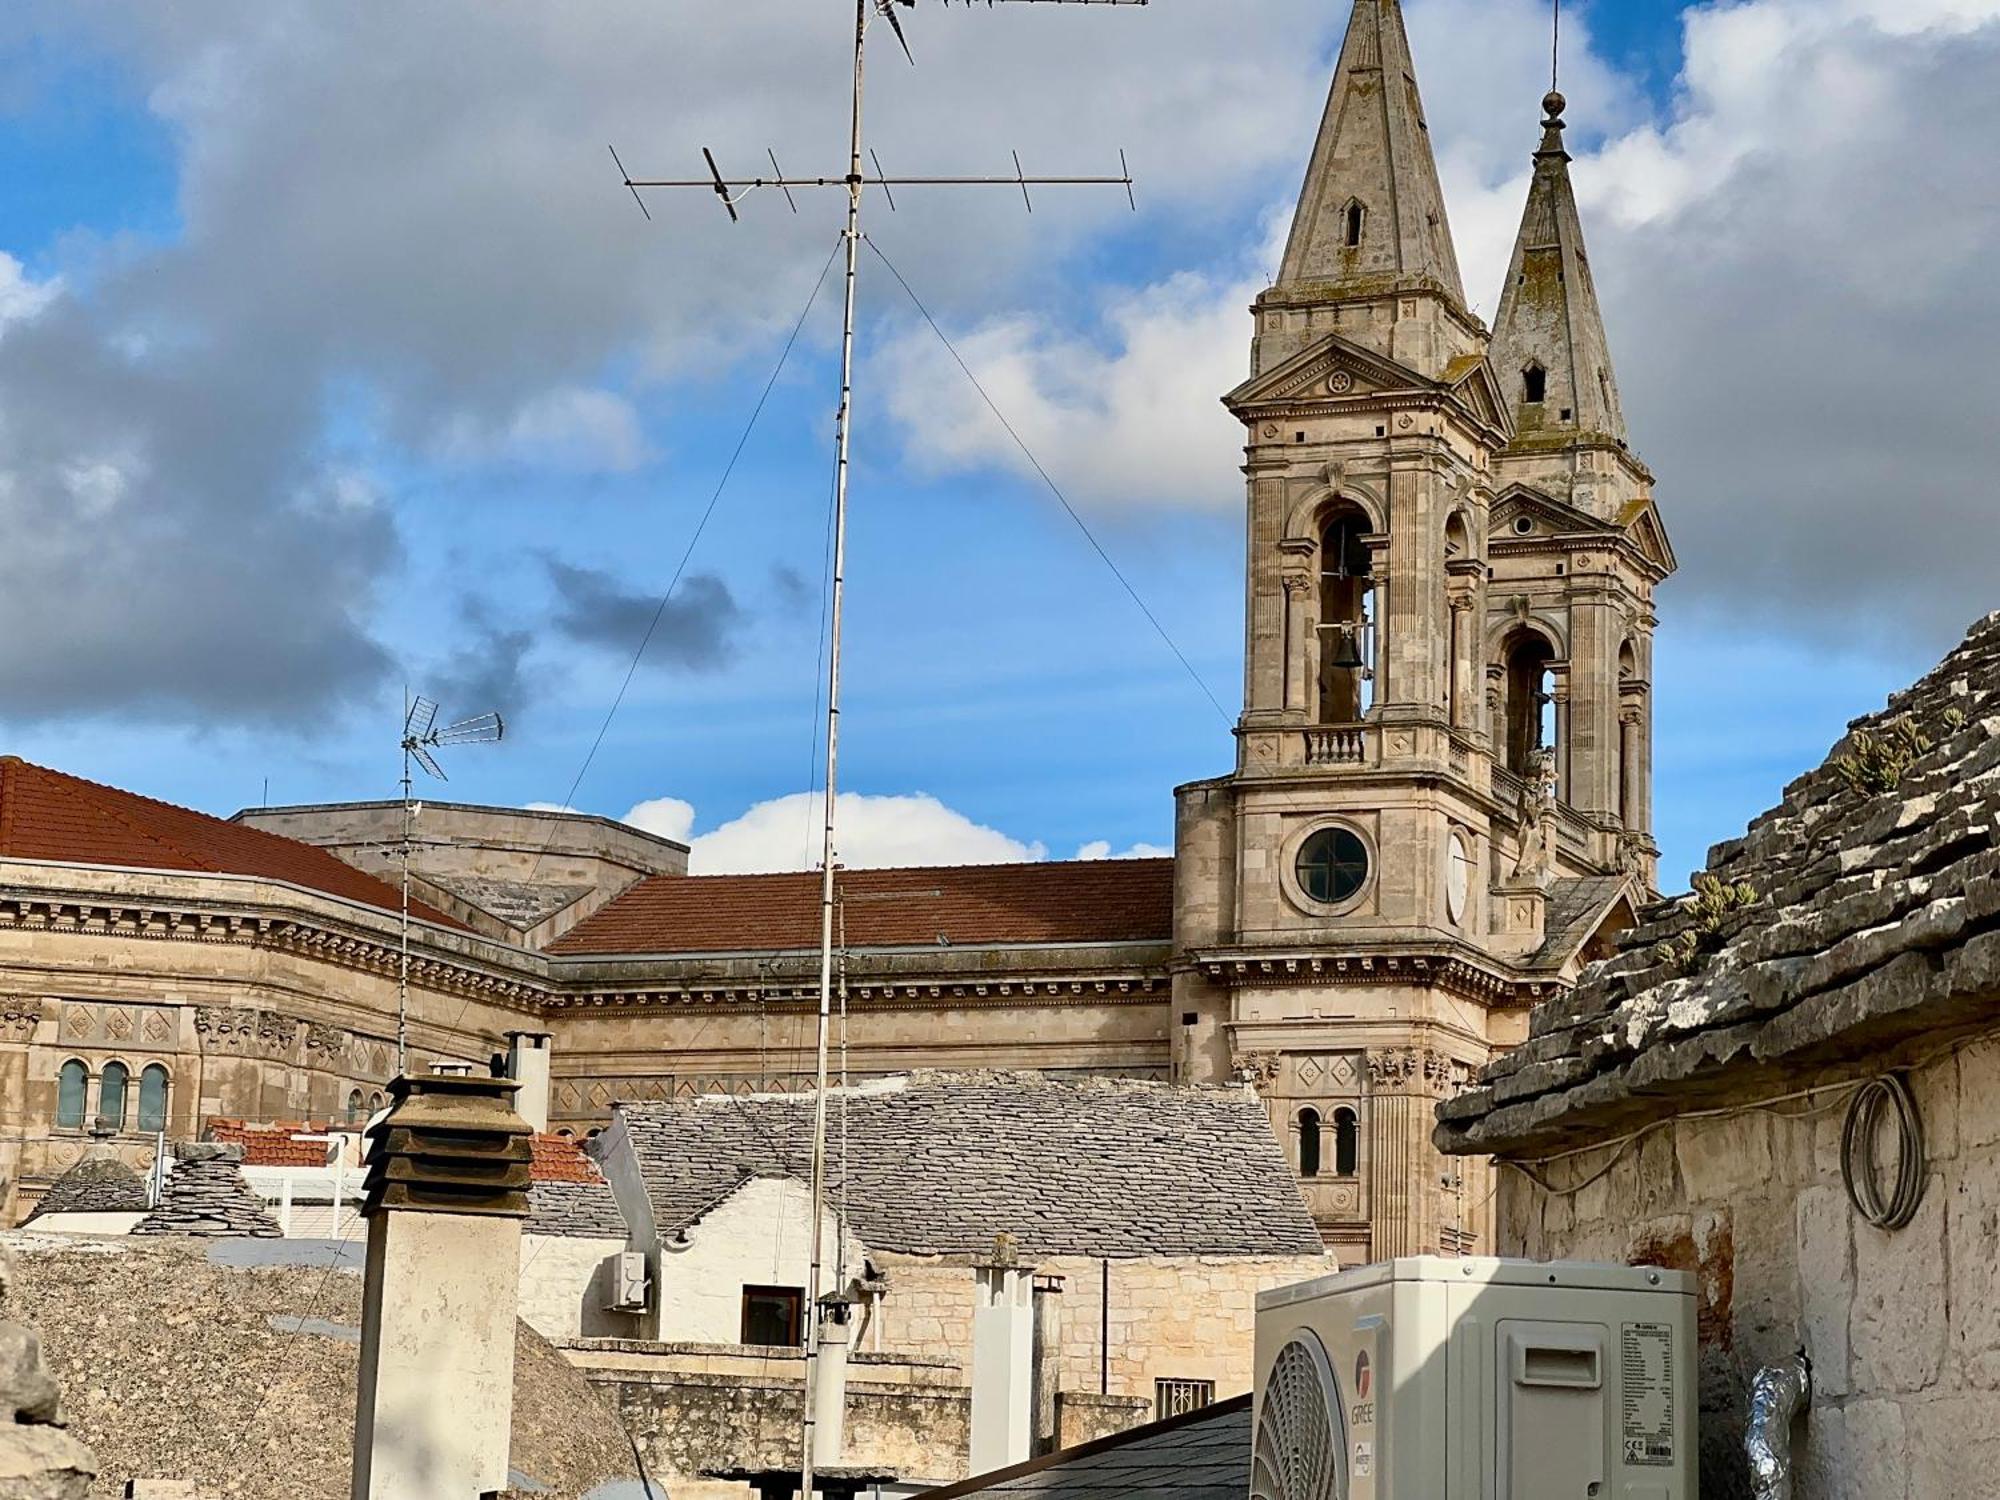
(1954, 719)
(1712, 902)
(1878, 762)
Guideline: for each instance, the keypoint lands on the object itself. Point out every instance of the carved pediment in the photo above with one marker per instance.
(1472, 380)
(1331, 370)
(1649, 534)
(1551, 517)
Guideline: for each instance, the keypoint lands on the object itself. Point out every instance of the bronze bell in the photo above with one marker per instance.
(1347, 657)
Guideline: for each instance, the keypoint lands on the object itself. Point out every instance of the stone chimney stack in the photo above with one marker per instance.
(1003, 1360)
(528, 1065)
(448, 1178)
(1048, 1362)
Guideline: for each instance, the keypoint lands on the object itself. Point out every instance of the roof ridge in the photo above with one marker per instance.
(102, 801)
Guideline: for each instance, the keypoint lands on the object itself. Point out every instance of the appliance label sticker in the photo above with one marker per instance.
(1364, 1460)
(1646, 1363)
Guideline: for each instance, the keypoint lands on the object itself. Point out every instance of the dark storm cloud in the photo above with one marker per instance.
(697, 629)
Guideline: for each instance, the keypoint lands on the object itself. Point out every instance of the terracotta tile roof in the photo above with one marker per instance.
(1097, 901)
(270, 1145)
(47, 815)
(559, 1159)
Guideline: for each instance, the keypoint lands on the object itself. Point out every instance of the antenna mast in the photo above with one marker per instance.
(420, 737)
(856, 182)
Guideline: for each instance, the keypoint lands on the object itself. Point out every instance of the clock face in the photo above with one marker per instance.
(1457, 878)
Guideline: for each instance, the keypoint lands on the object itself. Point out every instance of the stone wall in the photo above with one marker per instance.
(38, 1459)
(692, 1408)
(1170, 1319)
(1903, 1328)
(567, 1288)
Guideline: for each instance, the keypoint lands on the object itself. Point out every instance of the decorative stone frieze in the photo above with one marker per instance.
(19, 1016)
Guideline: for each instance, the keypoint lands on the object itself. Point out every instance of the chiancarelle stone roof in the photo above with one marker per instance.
(95, 1185)
(206, 1195)
(1856, 921)
(944, 1163)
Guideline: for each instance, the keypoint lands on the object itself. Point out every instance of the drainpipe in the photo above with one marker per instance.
(1777, 1395)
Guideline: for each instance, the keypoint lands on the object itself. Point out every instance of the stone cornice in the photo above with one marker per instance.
(1299, 968)
(971, 992)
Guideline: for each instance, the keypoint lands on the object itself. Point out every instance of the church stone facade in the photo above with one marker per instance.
(1441, 795)
(1440, 805)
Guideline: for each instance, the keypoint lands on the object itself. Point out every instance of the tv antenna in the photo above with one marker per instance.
(422, 735)
(856, 182)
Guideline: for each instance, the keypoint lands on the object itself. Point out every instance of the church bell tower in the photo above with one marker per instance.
(1434, 818)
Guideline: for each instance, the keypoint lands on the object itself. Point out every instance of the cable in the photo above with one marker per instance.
(715, 499)
(1054, 489)
(1858, 1167)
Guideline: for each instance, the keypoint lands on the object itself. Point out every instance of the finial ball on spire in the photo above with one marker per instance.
(1554, 105)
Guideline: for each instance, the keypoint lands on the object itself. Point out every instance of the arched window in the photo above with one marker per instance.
(1308, 1143)
(1346, 1143)
(1347, 594)
(375, 1102)
(354, 1107)
(111, 1094)
(153, 1098)
(1534, 385)
(1356, 221)
(1528, 659)
(72, 1084)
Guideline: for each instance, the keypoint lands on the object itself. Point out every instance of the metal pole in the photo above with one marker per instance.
(844, 430)
(403, 962)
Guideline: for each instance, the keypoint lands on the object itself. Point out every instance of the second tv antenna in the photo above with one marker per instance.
(732, 192)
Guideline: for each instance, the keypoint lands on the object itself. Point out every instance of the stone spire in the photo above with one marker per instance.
(1371, 218)
(1548, 341)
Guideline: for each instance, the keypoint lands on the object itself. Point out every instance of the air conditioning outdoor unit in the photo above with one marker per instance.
(628, 1281)
(1433, 1379)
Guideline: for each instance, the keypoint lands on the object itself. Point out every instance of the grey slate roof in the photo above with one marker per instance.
(1576, 907)
(944, 1163)
(1874, 924)
(206, 1195)
(1204, 1456)
(575, 1210)
(95, 1185)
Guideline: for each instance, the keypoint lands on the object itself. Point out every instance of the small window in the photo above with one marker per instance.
(1333, 866)
(354, 1107)
(153, 1099)
(71, 1086)
(1308, 1143)
(375, 1102)
(1534, 385)
(111, 1094)
(772, 1316)
(1357, 220)
(1176, 1398)
(1523, 526)
(1346, 1143)
(1568, 415)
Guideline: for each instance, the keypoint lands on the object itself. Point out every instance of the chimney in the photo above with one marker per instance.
(836, 1329)
(1048, 1361)
(448, 1177)
(528, 1065)
(1003, 1360)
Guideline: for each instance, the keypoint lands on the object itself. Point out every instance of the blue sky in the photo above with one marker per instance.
(401, 389)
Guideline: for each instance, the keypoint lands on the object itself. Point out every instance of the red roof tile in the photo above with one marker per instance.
(270, 1145)
(1097, 901)
(47, 815)
(560, 1159)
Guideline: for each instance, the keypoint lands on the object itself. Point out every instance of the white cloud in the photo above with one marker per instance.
(571, 429)
(1101, 849)
(21, 298)
(875, 833)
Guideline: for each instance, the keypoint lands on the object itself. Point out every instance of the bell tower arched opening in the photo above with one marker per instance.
(1528, 663)
(1346, 616)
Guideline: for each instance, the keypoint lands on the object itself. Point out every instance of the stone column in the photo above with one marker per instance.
(1048, 1362)
(1565, 759)
(448, 1178)
(1299, 629)
(1397, 1124)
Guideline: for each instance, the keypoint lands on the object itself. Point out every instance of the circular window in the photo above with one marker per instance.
(1333, 866)
(1524, 525)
